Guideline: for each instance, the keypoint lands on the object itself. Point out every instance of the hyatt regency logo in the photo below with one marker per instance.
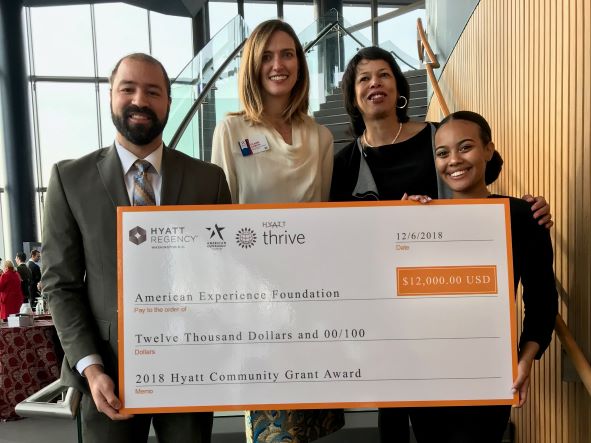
(137, 235)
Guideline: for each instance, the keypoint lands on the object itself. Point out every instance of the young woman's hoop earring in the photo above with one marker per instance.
(405, 102)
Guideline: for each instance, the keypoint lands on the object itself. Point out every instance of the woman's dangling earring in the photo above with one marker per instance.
(405, 102)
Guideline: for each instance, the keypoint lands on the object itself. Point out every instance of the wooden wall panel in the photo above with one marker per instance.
(526, 66)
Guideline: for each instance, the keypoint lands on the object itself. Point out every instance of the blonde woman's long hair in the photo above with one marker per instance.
(249, 81)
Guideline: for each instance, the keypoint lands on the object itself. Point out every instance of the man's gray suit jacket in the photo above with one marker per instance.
(79, 245)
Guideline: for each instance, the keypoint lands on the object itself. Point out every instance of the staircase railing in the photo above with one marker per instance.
(201, 97)
(577, 357)
(328, 28)
(566, 338)
(431, 64)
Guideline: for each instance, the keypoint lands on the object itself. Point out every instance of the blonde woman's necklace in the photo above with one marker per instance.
(392, 142)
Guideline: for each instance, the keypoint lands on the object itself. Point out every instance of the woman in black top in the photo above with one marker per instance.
(390, 157)
(463, 151)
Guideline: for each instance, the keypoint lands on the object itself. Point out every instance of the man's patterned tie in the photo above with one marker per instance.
(143, 193)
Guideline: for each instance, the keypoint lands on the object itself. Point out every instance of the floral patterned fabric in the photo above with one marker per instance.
(28, 362)
(295, 426)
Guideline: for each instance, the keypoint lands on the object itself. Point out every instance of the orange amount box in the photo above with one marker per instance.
(446, 280)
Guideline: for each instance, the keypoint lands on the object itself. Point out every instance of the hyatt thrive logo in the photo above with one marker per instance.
(246, 238)
(137, 235)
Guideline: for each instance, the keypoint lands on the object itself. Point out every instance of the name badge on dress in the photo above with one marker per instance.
(253, 145)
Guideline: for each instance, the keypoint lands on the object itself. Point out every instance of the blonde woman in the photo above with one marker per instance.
(273, 152)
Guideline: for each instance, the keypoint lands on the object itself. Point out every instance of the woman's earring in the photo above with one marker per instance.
(405, 102)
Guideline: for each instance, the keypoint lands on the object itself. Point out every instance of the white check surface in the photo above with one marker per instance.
(196, 335)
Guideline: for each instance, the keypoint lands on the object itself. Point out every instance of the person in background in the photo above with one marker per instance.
(273, 152)
(25, 274)
(11, 297)
(391, 156)
(35, 276)
(463, 154)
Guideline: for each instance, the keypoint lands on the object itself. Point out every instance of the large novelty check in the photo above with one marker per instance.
(316, 305)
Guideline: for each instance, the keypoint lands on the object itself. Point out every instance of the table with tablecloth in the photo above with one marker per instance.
(29, 361)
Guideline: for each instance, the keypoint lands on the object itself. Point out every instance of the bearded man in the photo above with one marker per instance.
(79, 246)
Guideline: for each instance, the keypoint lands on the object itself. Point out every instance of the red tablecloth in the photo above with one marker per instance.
(28, 362)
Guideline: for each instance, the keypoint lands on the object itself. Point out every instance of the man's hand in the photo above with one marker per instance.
(541, 210)
(102, 389)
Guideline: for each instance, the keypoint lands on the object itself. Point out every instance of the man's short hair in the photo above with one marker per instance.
(140, 56)
(21, 256)
(34, 253)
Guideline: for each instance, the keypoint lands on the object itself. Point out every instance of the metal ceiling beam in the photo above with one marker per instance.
(190, 8)
(183, 8)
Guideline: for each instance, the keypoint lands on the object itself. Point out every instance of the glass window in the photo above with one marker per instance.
(3, 171)
(385, 9)
(226, 91)
(62, 40)
(107, 128)
(2, 225)
(172, 41)
(67, 122)
(356, 14)
(25, 39)
(3, 175)
(189, 142)
(120, 30)
(401, 31)
(220, 13)
(299, 16)
(255, 13)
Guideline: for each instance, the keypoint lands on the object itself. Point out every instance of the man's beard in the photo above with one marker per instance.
(139, 135)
